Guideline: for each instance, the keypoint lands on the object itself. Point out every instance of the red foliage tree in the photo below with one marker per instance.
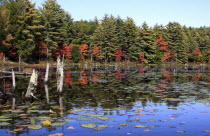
(66, 51)
(119, 54)
(197, 52)
(141, 57)
(208, 54)
(164, 48)
(1, 56)
(83, 50)
(119, 75)
(42, 48)
(67, 78)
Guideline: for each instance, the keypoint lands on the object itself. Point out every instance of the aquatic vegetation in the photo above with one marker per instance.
(147, 102)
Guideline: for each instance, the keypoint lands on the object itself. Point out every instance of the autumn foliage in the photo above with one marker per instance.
(96, 51)
(66, 51)
(83, 50)
(197, 52)
(119, 54)
(141, 57)
(167, 53)
(1, 56)
(83, 78)
(119, 75)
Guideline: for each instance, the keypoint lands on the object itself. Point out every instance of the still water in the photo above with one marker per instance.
(109, 101)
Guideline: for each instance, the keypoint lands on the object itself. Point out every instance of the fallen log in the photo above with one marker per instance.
(16, 72)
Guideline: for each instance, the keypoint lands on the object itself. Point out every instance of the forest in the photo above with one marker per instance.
(32, 35)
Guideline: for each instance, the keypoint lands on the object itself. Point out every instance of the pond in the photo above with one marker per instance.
(110, 100)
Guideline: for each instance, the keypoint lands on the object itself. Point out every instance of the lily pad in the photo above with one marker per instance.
(43, 118)
(4, 123)
(83, 119)
(1, 119)
(103, 118)
(101, 126)
(87, 125)
(140, 126)
(35, 127)
(57, 134)
(180, 131)
(76, 110)
(58, 124)
(43, 111)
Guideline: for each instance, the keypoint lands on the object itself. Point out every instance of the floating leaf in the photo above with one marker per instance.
(70, 127)
(58, 124)
(76, 110)
(100, 127)
(140, 126)
(35, 127)
(17, 111)
(148, 130)
(32, 111)
(103, 118)
(87, 125)
(43, 118)
(46, 123)
(83, 119)
(57, 134)
(5, 119)
(180, 131)
(43, 111)
(124, 124)
(4, 123)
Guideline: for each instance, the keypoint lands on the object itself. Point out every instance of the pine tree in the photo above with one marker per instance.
(129, 36)
(55, 33)
(176, 41)
(29, 30)
(148, 45)
(105, 37)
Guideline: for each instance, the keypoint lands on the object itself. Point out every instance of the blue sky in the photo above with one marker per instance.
(193, 13)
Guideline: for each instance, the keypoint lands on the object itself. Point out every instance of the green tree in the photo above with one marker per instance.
(54, 18)
(105, 37)
(148, 45)
(29, 30)
(176, 41)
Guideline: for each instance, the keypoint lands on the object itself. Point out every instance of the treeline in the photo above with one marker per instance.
(31, 35)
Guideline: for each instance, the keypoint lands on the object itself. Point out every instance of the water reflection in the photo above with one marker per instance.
(103, 90)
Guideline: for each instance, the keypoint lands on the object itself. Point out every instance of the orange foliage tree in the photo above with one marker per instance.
(83, 78)
(167, 53)
(208, 54)
(9, 46)
(119, 54)
(95, 52)
(197, 53)
(83, 50)
(141, 57)
(95, 77)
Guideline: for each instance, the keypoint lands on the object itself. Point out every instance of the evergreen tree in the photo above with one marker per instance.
(175, 40)
(29, 30)
(105, 37)
(149, 46)
(129, 35)
(55, 26)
